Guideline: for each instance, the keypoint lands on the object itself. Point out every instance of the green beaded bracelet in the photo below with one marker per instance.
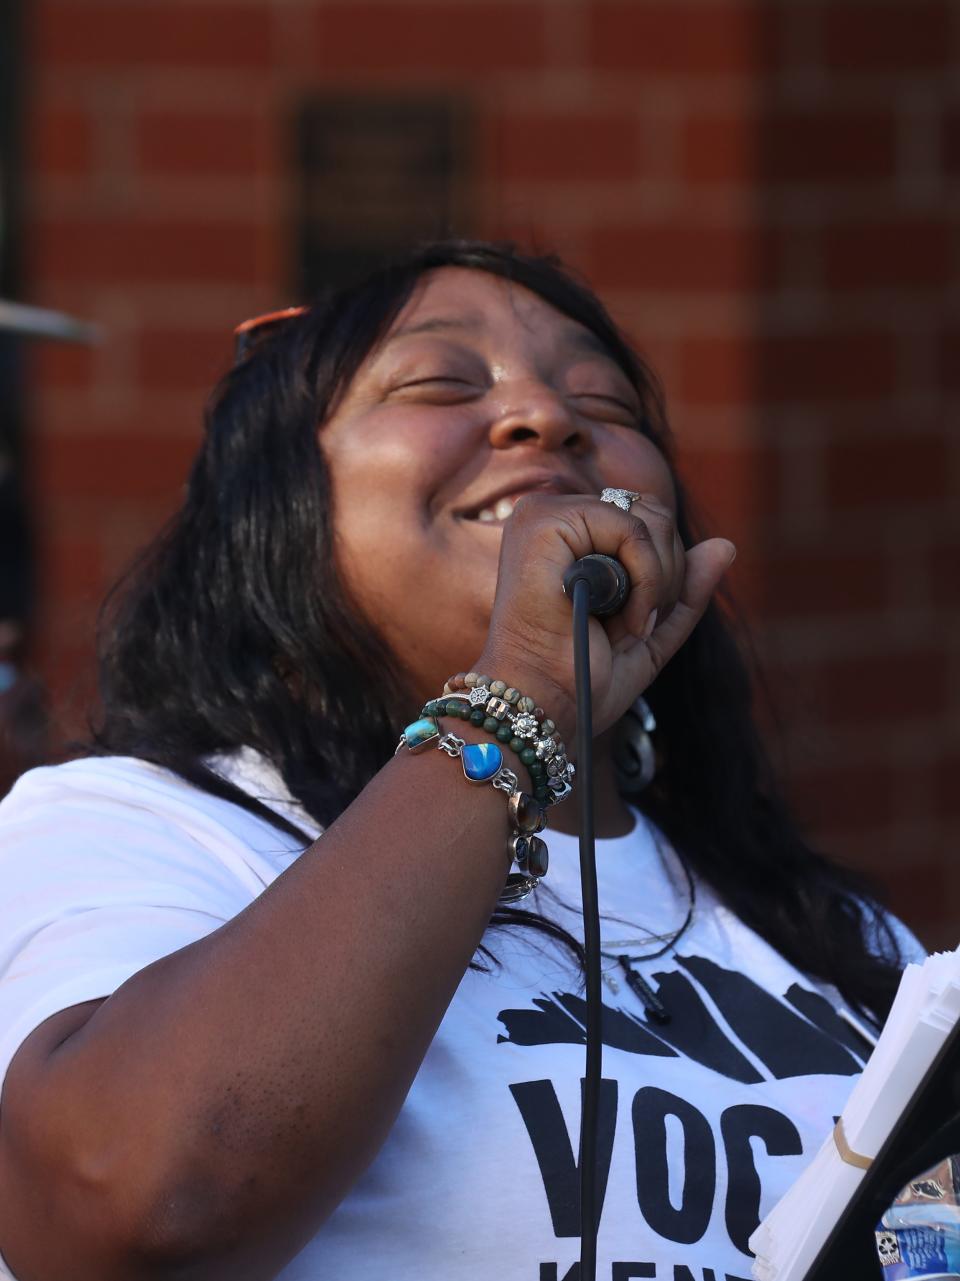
(456, 705)
(529, 733)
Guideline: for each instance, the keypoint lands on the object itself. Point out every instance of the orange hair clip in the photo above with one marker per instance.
(245, 333)
(268, 318)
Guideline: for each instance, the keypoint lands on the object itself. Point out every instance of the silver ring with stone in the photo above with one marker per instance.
(621, 498)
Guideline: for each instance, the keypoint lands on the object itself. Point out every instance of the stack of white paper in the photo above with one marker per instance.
(926, 1008)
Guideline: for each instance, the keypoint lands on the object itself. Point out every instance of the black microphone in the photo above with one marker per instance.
(606, 579)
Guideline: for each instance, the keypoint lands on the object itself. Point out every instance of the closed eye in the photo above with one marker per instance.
(603, 402)
(441, 388)
(436, 378)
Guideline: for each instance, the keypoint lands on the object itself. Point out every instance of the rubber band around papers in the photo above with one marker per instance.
(846, 1152)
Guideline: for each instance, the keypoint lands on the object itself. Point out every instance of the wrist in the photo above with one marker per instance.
(519, 725)
(554, 701)
(482, 763)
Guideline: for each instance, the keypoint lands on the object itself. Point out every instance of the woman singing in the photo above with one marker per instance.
(290, 981)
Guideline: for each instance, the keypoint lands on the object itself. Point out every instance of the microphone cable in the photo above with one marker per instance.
(591, 936)
(598, 585)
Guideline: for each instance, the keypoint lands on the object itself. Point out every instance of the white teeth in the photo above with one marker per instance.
(501, 510)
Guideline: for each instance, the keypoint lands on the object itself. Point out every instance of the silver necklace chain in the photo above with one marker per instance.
(653, 1006)
(612, 944)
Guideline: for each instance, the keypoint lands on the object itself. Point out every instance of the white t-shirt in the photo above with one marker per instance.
(107, 865)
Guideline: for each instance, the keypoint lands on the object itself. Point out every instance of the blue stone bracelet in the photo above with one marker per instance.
(551, 774)
(421, 734)
(483, 763)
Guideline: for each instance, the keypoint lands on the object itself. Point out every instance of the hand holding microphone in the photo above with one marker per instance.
(607, 583)
(669, 588)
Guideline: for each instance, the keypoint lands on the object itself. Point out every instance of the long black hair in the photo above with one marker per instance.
(233, 630)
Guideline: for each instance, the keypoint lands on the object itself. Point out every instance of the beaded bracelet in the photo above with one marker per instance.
(514, 719)
(458, 706)
(483, 763)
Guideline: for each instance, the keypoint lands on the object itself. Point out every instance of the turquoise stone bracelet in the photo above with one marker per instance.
(483, 763)
(532, 730)
(527, 733)
(504, 733)
(419, 735)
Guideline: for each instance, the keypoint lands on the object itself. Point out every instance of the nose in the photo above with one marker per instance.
(535, 414)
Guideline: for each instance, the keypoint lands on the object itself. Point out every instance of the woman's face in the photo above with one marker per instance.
(480, 392)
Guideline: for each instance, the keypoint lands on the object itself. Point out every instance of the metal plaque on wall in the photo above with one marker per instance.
(376, 175)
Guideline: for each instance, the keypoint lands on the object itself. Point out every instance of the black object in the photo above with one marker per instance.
(653, 1007)
(597, 585)
(606, 579)
(927, 1131)
(581, 593)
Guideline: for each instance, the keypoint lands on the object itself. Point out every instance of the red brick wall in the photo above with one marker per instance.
(766, 193)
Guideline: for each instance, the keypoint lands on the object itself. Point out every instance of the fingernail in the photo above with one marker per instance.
(651, 624)
(733, 553)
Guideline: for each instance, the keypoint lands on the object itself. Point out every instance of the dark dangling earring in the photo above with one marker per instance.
(635, 758)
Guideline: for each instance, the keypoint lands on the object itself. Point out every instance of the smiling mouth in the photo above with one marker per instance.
(498, 514)
(498, 511)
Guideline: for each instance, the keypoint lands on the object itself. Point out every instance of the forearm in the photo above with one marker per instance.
(230, 1093)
